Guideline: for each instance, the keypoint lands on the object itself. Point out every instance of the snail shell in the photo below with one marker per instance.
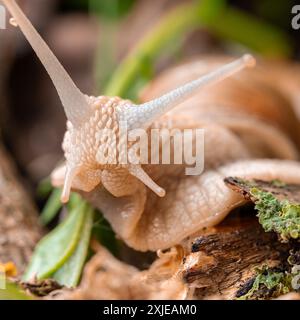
(246, 118)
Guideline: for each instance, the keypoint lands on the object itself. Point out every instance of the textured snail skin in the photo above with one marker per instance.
(146, 222)
(88, 150)
(155, 206)
(250, 105)
(266, 94)
(246, 119)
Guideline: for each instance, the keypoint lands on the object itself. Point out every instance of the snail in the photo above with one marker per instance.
(155, 206)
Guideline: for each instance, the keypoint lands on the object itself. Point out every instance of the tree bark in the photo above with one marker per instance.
(222, 259)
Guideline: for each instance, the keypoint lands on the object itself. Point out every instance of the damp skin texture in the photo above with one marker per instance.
(85, 117)
(155, 207)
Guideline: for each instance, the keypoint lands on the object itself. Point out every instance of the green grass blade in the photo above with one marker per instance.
(70, 272)
(51, 208)
(56, 247)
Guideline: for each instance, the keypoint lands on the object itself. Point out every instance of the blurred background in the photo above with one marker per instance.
(115, 47)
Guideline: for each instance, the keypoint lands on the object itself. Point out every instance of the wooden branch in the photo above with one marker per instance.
(222, 259)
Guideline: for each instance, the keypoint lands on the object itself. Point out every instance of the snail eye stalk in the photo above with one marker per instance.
(73, 100)
(141, 116)
(69, 177)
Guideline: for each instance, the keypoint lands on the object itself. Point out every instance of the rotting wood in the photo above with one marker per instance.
(222, 259)
(280, 190)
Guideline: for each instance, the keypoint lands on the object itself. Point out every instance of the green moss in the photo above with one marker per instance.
(269, 283)
(272, 282)
(282, 217)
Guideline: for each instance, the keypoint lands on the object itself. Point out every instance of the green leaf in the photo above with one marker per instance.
(74, 202)
(69, 273)
(52, 207)
(55, 248)
(13, 292)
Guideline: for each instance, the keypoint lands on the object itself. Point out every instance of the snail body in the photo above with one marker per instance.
(153, 207)
(88, 118)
